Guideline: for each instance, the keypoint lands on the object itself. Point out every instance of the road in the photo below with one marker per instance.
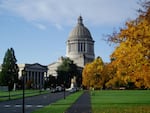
(31, 103)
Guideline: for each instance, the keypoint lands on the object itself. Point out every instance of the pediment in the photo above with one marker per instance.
(36, 66)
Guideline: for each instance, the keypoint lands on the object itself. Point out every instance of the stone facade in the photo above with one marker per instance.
(80, 45)
(35, 74)
(80, 48)
(53, 67)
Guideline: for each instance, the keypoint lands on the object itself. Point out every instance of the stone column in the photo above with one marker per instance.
(76, 46)
(31, 78)
(37, 79)
(27, 76)
(34, 74)
(86, 47)
(40, 77)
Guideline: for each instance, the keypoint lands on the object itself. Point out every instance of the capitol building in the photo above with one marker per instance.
(79, 48)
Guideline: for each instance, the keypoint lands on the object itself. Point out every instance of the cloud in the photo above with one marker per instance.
(58, 26)
(64, 12)
(40, 26)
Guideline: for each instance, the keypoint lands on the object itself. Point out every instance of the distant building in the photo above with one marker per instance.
(35, 74)
(53, 67)
(80, 48)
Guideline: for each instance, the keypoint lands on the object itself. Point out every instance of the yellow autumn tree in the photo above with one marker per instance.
(132, 55)
(109, 73)
(86, 73)
(92, 74)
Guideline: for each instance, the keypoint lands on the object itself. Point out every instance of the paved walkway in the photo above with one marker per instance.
(82, 105)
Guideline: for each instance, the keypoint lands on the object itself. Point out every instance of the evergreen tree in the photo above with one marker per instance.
(9, 73)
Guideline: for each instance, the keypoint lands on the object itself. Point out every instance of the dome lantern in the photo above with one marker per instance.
(80, 20)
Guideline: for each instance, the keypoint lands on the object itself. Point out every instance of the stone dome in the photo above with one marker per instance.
(80, 31)
(80, 45)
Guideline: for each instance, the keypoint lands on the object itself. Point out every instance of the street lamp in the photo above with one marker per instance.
(64, 91)
(9, 88)
(23, 88)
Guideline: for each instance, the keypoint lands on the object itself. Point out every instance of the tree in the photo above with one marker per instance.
(52, 81)
(9, 73)
(132, 55)
(109, 72)
(66, 71)
(93, 74)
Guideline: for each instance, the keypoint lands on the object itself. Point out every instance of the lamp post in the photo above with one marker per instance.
(23, 88)
(9, 88)
(64, 91)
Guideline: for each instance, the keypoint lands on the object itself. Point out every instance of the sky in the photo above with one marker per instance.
(38, 29)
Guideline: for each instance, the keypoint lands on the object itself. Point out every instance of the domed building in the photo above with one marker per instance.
(80, 45)
(79, 48)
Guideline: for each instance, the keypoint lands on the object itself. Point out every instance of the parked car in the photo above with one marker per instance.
(53, 90)
(59, 89)
(73, 90)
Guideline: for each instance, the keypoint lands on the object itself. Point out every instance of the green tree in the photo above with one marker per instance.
(9, 73)
(51, 81)
(66, 71)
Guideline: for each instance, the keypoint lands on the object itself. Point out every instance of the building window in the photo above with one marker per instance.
(78, 47)
(81, 47)
(84, 47)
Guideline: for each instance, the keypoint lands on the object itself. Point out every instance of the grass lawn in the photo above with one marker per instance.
(60, 106)
(4, 95)
(121, 101)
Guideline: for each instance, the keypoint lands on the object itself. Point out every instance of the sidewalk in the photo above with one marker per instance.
(82, 105)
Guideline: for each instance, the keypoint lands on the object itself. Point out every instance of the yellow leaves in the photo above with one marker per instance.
(86, 72)
(132, 56)
(92, 74)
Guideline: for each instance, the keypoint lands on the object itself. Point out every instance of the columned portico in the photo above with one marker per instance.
(35, 75)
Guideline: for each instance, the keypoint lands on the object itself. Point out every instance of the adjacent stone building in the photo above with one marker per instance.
(53, 67)
(35, 74)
